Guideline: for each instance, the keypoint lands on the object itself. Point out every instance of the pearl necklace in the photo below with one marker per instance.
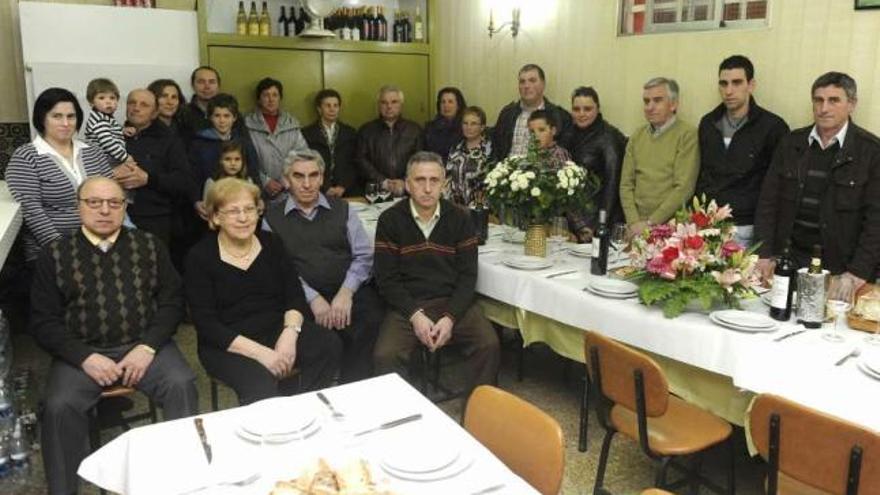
(245, 256)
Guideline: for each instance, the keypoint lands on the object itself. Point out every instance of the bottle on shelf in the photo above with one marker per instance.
(816, 260)
(419, 27)
(599, 261)
(265, 21)
(383, 25)
(290, 27)
(366, 25)
(281, 30)
(241, 20)
(395, 27)
(784, 283)
(253, 21)
(407, 28)
(305, 19)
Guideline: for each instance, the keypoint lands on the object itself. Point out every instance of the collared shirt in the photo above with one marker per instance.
(658, 131)
(520, 144)
(425, 226)
(96, 240)
(838, 138)
(330, 132)
(361, 248)
(75, 171)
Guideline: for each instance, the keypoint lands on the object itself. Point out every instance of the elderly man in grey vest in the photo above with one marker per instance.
(334, 257)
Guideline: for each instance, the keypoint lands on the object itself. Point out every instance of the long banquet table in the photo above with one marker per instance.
(703, 356)
(167, 458)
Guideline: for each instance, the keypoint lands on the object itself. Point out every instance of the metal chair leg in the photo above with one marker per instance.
(731, 474)
(585, 415)
(603, 461)
(660, 475)
(695, 474)
(214, 399)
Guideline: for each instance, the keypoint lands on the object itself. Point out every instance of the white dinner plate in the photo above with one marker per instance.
(866, 370)
(581, 250)
(741, 328)
(613, 285)
(278, 416)
(459, 465)
(280, 438)
(514, 236)
(521, 262)
(742, 318)
(420, 460)
(872, 361)
(611, 295)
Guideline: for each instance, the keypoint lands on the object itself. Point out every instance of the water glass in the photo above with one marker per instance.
(619, 233)
(837, 308)
(558, 234)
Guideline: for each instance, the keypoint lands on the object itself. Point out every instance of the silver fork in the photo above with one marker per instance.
(854, 353)
(338, 416)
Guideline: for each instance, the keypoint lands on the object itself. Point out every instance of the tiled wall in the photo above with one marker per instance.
(12, 135)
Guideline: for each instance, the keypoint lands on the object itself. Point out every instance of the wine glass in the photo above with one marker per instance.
(372, 192)
(619, 233)
(558, 233)
(837, 308)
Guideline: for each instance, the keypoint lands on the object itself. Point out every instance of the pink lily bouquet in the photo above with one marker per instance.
(693, 257)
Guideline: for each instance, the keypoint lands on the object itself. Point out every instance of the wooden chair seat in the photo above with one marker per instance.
(656, 491)
(684, 429)
(790, 486)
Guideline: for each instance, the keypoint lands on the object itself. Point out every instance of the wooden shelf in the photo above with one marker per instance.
(280, 42)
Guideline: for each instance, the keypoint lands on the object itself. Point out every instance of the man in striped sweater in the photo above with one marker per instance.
(426, 269)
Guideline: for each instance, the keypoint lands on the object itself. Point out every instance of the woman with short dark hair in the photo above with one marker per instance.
(275, 133)
(444, 132)
(336, 141)
(248, 304)
(597, 146)
(43, 175)
(171, 103)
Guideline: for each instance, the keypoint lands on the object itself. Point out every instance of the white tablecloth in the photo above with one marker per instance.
(10, 221)
(167, 458)
(800, 368)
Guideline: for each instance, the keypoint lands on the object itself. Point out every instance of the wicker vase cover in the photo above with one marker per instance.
(536, 240)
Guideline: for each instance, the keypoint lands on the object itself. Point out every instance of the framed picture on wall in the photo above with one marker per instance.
(867, 4)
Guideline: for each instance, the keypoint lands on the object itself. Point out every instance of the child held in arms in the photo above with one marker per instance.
(543, 128)
(102, 129)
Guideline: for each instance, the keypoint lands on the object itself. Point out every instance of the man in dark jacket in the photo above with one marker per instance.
(737, 141)
(511, 135)
(160, 177)
(205, 82)
(337, 144)
(385, 144)
(823, 188)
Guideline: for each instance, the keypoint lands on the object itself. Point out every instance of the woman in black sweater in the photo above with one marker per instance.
(248, 305)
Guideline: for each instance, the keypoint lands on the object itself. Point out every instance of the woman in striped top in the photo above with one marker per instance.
(44, 174)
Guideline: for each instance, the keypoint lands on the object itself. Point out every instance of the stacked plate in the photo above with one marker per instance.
(743, 321)
(581, 250)
(438, 462)
(612, 288)
(278, 420)
(521, 262)
(870, 365)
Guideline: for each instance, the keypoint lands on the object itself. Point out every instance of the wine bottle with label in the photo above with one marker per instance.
(419, 28)
(599, 261)
(241, 21)
(253, 21)
(265, 21)
(282, 23)
(784, 282)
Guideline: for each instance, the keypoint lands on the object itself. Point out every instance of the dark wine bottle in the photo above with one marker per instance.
(599, 261)
(784, 282)
(282, 23)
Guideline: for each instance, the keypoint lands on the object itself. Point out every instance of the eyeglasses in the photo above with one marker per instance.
(95, 203)
(247, 211)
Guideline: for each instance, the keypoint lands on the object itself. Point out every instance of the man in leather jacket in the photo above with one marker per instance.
(737, 141)
(823, 188)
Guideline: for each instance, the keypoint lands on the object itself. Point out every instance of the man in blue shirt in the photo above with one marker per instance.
(334, 256)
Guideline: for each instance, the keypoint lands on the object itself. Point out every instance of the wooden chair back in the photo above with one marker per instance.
(526, 439)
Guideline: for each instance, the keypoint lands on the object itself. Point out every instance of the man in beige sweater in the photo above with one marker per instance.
(661, 164)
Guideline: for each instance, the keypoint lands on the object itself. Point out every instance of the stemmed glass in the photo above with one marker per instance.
(619, 234)
(372, 192)
(558, 233)
(837, 308)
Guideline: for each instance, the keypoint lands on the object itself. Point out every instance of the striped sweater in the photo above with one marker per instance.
(46, 194)
(102, 130)
(410, 269)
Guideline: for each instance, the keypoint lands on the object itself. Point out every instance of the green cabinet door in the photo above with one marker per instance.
(358, 76)
(298, 70)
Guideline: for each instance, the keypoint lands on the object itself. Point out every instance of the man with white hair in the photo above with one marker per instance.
(385, 144)
(662, 160)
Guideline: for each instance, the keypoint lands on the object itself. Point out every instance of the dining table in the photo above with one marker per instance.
(408, 444)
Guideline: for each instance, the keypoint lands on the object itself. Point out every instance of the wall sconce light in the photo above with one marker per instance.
(513, 23)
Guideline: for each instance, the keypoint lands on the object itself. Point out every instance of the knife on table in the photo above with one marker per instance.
(391, 424)
(200, 428)
(792, 334)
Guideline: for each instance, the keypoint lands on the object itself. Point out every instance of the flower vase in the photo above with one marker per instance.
(536, 240)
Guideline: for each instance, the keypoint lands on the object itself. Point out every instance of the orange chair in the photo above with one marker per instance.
(633, 398)
(525, 438)
(810, 452)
